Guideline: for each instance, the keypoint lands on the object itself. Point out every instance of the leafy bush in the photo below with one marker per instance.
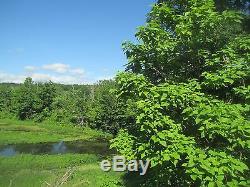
(193, 137)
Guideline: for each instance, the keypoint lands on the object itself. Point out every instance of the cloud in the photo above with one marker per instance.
(43, 77)
(40, 77)
(57, 67)
(64, 79)
(11, 78)
(57, 72)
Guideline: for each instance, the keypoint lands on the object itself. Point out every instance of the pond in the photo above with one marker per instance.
(98, 147)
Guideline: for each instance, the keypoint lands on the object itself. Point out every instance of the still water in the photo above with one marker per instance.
(83, 147)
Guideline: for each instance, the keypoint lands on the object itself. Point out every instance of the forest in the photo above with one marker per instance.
(183, 103)
(92, 106)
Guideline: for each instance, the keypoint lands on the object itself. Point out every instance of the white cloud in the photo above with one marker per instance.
(11, 78)
(40, 77)
(64, 79)
(57, 67)
(43, 77)
(57, 72)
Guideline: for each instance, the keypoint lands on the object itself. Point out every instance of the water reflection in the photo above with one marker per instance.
(59, 148)
(82, 147)
(8, 151)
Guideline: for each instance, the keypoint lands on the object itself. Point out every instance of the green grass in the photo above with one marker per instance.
(12, 131)
(26, 170)
(51, 170)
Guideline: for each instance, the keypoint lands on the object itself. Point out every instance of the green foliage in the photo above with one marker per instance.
(183, 103)
(124, 144)
(105, 111)
(94, 106)
(6, 103)
(229, 68)
(26, 100)
(188, 82)
(69, 107)
(199, 138)
(46, 93)
(222, 5)
(175, 44)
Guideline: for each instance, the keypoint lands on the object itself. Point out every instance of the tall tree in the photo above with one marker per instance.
(189, 78)
(179, 38)
(26, 100)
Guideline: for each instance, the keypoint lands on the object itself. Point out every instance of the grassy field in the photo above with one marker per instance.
(55, 170)
(26, 170)
(13, 131)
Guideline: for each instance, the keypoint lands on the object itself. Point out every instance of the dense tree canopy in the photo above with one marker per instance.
(222, 5)
(84, 105)
(179, 39)
(188, 77)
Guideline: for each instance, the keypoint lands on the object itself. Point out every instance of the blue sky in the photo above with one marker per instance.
(67, 41)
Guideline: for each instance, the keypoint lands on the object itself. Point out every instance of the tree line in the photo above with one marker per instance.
(93, 106)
